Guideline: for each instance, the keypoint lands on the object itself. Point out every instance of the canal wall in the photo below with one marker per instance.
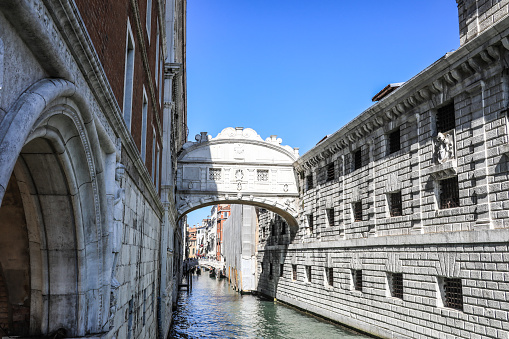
(404, 223)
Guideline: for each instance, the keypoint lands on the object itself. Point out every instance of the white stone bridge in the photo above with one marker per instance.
(238, 167)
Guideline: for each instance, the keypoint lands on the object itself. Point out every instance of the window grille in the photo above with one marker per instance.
(321, 175)
(348, 163)
(357, 159)
(395, 204)
(262, 175)
(453, 293)
(396, 285)
(281, 269)
(446, 119)
(308, 273)
(309, 181)
(330, 216)
(357, 280)
(330, 172)
(294, 272)
(449, 193)
(394, 141)
(214, 173)
(340, 167)
(310, 222)
(330, 276)
(357, 211)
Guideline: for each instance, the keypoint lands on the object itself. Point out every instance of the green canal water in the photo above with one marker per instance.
(213, 310)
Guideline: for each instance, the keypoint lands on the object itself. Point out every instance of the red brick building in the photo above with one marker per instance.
(223, 213)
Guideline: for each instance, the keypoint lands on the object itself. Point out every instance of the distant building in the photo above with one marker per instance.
(223, 213)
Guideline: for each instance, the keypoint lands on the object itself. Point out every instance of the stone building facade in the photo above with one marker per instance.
(404, 225)
(92, 114)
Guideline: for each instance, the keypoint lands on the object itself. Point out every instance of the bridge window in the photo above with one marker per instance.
(395, 282)
(357, 280)
(330, 172)
(262, 175)
(357, 211)
(394, 141)
(449, 193)
(329, 272)
(309, 181)
(395, 205)
(308, 273)
(215, 174)
(294, 272)
(330, 216)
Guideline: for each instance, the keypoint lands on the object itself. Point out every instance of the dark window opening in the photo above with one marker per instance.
(357, 280)
(449, 193)
(330, 276)
(273, 229)
(357, 211)
(283, 227)
(357, 159)
(330, 172)
(270, 270)
(396, 285)
(330, 216)
(446, 119)
(281, 269)
(294, 272)
(309, 181)
(308, 273)
(396, 208)
(394, 141)
(310, 222)
(453, 293)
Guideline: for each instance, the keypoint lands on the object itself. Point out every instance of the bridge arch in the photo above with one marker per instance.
(238, 167)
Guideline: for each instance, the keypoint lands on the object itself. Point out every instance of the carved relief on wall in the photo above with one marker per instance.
(444, 147)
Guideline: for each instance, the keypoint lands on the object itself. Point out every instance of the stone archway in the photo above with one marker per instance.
(49, 149)
(238, 167)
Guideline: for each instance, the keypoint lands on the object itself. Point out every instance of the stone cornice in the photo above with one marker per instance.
(453, 68)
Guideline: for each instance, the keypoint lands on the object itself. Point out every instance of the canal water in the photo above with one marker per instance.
(213, 310)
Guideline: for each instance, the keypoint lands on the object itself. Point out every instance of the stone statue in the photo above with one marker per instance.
(444, 147)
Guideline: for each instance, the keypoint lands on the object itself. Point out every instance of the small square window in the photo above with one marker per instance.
(357, 211)
(214, 174)
(308, 273)
(452, 292)
(330, 172)
(281, 269)
(394, 141)
(309, 181)
(262, 175)
(446, 119)
(294, 272)
(449, 193)
(330, 216)
(357, 279)
(395, 205)
(330, 276)
(395, 281)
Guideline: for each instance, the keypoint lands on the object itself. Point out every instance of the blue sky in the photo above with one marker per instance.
(302, 69)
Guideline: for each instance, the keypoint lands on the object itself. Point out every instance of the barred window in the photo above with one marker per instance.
(357, 279)
(262, 175)
(294, 272)
(357, 211)
(394, 141)
(309, 181)
(308, 273)
(446, 119)
(214, 174)
(330, 276)
(395, 205)
(340, 167)
(357, 159)
(449, 193)
(330, 216)
(330, 172)
(281, 269)
(453, 293)
(396, 284)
